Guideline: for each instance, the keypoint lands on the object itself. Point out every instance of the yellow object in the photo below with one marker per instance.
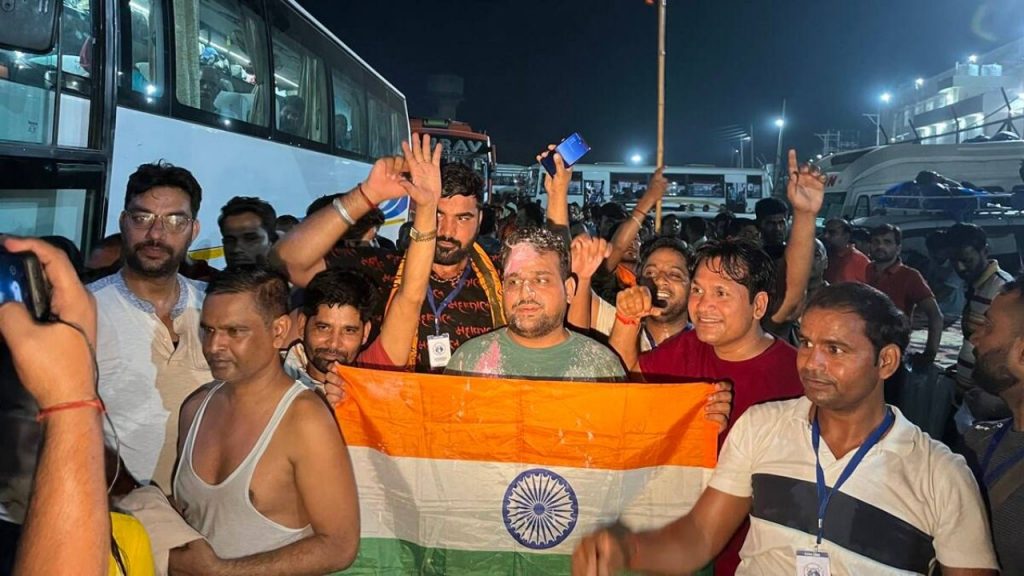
(133, 543)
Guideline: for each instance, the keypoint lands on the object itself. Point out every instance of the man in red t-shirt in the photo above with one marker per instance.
(904, 286)
(732, 284)
(845, 262)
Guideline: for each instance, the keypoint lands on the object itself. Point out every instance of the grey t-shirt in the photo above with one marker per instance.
(496, 354)
(1007, 518)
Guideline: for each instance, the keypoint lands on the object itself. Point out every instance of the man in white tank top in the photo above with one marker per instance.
(263, 472)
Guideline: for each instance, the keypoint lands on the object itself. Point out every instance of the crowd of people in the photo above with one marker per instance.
(223, 457)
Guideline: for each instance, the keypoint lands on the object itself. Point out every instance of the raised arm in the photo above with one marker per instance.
(301, 253)
(402, 319)
(587, 255)
(68, 505)
(805, 191)
(631, 226)
(632, 305)
(557, 188)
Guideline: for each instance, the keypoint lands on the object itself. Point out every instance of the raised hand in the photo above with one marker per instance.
(386, 178)
(806, 187)
(635, 303)
(424, 169)
(557, 185)
(587, 254)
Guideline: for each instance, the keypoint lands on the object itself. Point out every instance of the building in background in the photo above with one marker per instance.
(980, 97)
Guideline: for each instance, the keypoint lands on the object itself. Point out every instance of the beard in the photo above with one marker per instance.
(449, 256)
(540, 325)
(991, 373)
(323, 358)
(151, 269)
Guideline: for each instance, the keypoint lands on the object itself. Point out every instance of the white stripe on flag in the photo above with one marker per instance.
(458, 504)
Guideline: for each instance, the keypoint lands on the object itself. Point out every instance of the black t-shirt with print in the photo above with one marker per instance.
(467, 316)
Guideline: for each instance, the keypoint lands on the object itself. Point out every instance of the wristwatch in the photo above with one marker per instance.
(417, 236)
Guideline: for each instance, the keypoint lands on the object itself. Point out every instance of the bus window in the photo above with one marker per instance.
(349, 110)
(27, 83)
(300, 91)
(147, 47)
(221, 57)
(399, 126)
(382, 129)
(45, 213)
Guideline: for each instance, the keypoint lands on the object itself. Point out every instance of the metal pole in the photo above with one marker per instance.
(742, 163)
(661, 103)
(752, 157)
(878, 126)
(778, 151)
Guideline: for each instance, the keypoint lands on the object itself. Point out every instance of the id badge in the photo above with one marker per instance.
(440, 350)
(812, 563)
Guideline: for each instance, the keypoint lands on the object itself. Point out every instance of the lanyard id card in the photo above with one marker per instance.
(440, 349)
(812, 563)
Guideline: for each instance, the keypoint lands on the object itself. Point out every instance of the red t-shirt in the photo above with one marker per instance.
(376, 357)
(902, 284)
(771, 375)
(848, 265)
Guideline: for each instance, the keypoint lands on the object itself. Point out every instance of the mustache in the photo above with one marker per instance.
(526, 303)
(449, 240)
(816, 376)
(327, 352)
(152, 244)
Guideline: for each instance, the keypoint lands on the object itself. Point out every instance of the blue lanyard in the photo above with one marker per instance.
(438, 310)
(824, 493)
(990, 478)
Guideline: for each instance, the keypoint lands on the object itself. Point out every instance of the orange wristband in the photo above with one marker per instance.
(92, 403)
(626, 319)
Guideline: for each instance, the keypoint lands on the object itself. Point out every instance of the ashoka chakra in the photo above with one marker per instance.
(539, 509)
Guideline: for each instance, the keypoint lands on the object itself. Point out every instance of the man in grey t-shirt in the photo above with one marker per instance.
(536, 344)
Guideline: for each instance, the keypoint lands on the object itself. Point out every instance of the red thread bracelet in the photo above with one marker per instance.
(93, 403)
(626, 319)
(365, 197)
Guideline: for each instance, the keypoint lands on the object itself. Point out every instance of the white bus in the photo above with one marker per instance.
(255, 97)
(691, 188)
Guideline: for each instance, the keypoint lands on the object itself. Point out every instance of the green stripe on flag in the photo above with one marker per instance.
(385, 556)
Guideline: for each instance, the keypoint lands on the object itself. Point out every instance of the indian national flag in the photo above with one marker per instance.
(461, 475)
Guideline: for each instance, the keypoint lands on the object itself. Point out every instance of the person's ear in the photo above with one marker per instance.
(366, 332)
(280, 329)
(889, 358)
(760, 305)
(570, 289)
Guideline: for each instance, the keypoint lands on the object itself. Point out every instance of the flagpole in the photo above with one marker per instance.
(661, 103)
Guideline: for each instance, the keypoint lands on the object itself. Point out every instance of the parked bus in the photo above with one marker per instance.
(188, 82)
(691, 188)
(462, 144)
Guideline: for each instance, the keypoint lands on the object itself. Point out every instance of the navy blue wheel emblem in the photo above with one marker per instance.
(539, 509)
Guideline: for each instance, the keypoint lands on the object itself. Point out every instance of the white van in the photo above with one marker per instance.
(857, 176)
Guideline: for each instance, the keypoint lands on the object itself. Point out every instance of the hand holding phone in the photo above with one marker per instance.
(653, 288)
(33, 343)
(571, 150)
(22, 280)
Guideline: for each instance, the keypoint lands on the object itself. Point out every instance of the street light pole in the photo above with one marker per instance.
(781, 123)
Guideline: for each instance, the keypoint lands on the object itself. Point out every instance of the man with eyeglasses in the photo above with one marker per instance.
(148, 349)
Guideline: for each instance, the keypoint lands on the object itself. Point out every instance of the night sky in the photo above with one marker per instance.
(537, 71)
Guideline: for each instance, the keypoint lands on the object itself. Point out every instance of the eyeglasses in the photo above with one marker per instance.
(172, 223)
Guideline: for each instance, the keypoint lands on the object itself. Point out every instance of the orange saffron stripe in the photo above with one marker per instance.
(609, 426)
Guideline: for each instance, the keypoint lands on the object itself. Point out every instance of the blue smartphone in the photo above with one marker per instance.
(571, 149)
